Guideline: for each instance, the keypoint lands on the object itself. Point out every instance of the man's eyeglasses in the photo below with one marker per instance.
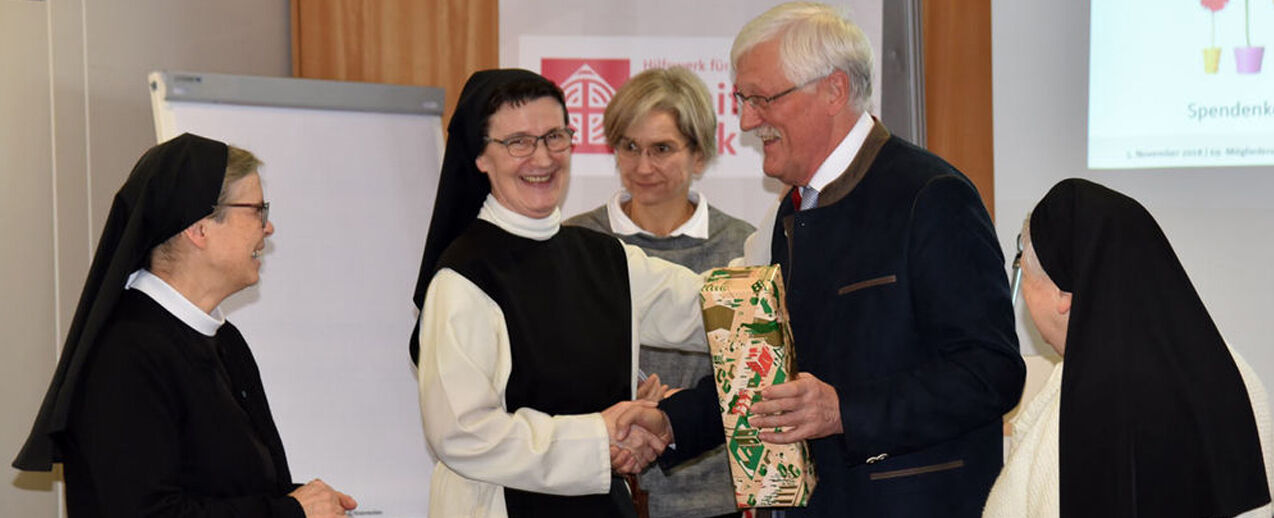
(520, 146)
(761, 102)
(659, 152)
(263, 209)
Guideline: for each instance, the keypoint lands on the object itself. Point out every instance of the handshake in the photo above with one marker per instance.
(638, 430)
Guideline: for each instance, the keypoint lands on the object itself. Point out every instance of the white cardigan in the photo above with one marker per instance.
(465, 363)
(1028, 485)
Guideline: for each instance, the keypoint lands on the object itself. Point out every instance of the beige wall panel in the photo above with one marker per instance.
(70, 156)
(27, 256)
(74, 116)
(128, 40)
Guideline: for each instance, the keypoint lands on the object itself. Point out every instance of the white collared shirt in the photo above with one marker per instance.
(621, 224)
(837, 162)
(756, 248)
(175, 303)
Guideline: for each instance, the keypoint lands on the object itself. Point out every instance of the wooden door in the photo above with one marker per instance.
(414, 42)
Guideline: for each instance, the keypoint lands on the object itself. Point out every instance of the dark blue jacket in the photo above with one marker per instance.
(899, 299)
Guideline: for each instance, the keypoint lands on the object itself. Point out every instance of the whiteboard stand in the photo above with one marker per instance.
(351, 170)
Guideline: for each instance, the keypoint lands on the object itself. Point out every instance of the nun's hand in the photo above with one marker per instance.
(632, 447)
(319, 500)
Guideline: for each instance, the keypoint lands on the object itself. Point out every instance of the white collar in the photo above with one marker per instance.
(175, 303)
(837, 162)
(620, 223)
(522, 226)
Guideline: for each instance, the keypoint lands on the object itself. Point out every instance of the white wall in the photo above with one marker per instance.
(1220, 221)
(74, 116)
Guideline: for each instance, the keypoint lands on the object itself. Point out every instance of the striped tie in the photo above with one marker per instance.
(809, 197)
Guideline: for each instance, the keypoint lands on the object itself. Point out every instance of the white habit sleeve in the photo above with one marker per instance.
(464, 367)
(666, 308)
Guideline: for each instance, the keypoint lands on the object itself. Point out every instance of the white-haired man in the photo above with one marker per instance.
(899, 304)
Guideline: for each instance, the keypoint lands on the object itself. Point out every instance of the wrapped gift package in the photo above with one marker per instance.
(751, 346)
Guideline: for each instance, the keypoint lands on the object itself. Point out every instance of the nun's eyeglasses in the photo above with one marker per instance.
(520, 146)
(263, 209)
(1017, 270)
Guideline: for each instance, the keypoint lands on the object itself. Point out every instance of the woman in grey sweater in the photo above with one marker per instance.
(662, 127)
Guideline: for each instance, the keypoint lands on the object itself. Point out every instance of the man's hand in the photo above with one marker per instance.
(319, 500)
(804, 408)
(632, 447)
(648, 418)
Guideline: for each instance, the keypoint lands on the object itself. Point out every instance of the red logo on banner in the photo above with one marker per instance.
(588, 84)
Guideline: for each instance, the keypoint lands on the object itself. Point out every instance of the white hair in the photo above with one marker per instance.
(814, 41)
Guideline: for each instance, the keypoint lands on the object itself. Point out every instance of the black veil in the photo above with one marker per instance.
(173, 185)
(462, 188)
(1155, 418)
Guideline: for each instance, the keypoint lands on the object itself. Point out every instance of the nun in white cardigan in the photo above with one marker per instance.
(1150, 413)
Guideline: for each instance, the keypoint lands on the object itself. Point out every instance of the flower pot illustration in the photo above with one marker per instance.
(1212, 55)
(1211, 59)
(1248, 59)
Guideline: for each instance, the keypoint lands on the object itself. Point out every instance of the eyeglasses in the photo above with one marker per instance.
(659, 152)
(761, 102)
(520, 146)
(1017, 269)
(263, 209)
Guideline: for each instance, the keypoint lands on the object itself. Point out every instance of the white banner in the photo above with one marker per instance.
(592, 75)
(591, 48)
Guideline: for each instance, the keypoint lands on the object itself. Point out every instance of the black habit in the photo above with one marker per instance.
(141, 410)
(172, 423)
(577, 273)
(1155, 419)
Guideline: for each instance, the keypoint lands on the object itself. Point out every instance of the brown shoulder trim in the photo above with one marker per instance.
(843, 184)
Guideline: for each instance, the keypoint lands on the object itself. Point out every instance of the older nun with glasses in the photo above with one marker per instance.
(1150, 413)
(156, 407)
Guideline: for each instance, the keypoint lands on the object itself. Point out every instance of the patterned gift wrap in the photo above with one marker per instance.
(751, 348)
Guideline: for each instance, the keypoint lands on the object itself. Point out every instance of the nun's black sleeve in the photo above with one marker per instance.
(173, 423)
